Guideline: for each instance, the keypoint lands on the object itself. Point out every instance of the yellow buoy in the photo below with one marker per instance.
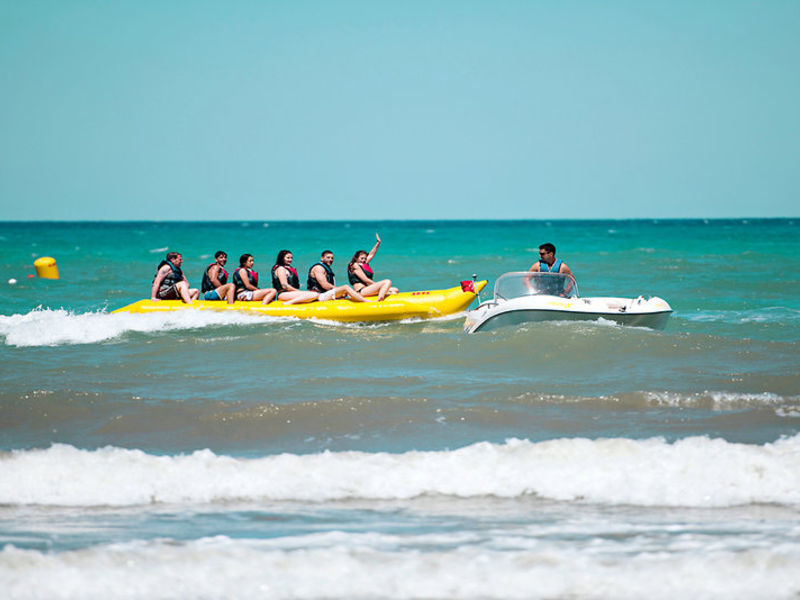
(46, 267)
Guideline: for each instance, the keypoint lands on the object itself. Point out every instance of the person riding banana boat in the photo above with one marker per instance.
(362, 277)
(215, 284)
(169, 282)
(322, 280)
(246, 281)
(286, 281)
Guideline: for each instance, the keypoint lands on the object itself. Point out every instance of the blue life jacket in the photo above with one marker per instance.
(172, 278)
(554, 269)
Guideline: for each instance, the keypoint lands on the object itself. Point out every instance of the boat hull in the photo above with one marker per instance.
(518, 317)
(427, 304)
(653, 313)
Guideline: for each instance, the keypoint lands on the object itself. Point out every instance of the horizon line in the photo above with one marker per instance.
(391, 220)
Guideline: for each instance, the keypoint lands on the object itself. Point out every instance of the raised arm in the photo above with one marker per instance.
(374, 250)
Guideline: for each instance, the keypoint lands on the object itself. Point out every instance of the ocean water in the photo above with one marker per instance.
(198, 455)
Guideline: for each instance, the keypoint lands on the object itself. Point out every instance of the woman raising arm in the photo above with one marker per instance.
(362, 277)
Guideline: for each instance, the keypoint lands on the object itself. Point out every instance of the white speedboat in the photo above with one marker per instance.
(522, 297)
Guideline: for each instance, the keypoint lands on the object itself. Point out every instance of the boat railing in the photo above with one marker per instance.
(519, 284)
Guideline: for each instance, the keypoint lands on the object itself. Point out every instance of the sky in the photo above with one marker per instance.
(192, 110)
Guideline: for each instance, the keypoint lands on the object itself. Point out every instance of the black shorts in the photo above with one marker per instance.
(170, 293)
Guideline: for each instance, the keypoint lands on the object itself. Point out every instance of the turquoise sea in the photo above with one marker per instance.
(195, 455)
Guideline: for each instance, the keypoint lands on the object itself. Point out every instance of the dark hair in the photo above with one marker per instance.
(324, 252)
(219, 253)
(355, 258)
(243, 259)
(171, 255)
(548, 247)
(282, 257)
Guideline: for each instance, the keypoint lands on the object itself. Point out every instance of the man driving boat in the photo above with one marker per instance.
(547, 263)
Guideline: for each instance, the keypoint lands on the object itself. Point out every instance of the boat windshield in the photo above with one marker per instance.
(525, 283)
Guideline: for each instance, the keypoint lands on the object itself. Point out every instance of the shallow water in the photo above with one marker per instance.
(211, 455)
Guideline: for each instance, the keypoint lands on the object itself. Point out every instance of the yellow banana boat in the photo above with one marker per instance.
(406, 305)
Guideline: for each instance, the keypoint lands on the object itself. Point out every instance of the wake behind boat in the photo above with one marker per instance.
(426, 304)
(521, 297)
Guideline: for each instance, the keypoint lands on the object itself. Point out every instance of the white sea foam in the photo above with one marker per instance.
(340, 565)
(444, 318)
(696, 472)
(606, 322)
(771, 314)
(587, 326)
(382, 324)
(720, 400)
(45, 327)
(788, 412)
(48, 327)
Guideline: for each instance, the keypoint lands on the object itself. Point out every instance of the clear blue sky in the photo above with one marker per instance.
(398, 110)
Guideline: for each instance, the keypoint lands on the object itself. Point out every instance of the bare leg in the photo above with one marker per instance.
(269, 296)
(346, 290)
(184, 291)
(385, 285)
(378, 288)
(297, 297)
(226, 291)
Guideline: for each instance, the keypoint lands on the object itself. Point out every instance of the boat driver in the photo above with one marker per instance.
(170, 283)
(322, 280)
(548, 263)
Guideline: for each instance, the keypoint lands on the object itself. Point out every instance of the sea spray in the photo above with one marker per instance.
(46, 327)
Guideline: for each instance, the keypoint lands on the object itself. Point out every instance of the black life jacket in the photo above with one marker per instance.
(313, 284)
(237, 280)
(172, 278)
(353, 278)
(222, 276)
(292, 279)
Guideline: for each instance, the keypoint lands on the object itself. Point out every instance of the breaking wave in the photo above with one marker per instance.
(694, 472)
(342, 565)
